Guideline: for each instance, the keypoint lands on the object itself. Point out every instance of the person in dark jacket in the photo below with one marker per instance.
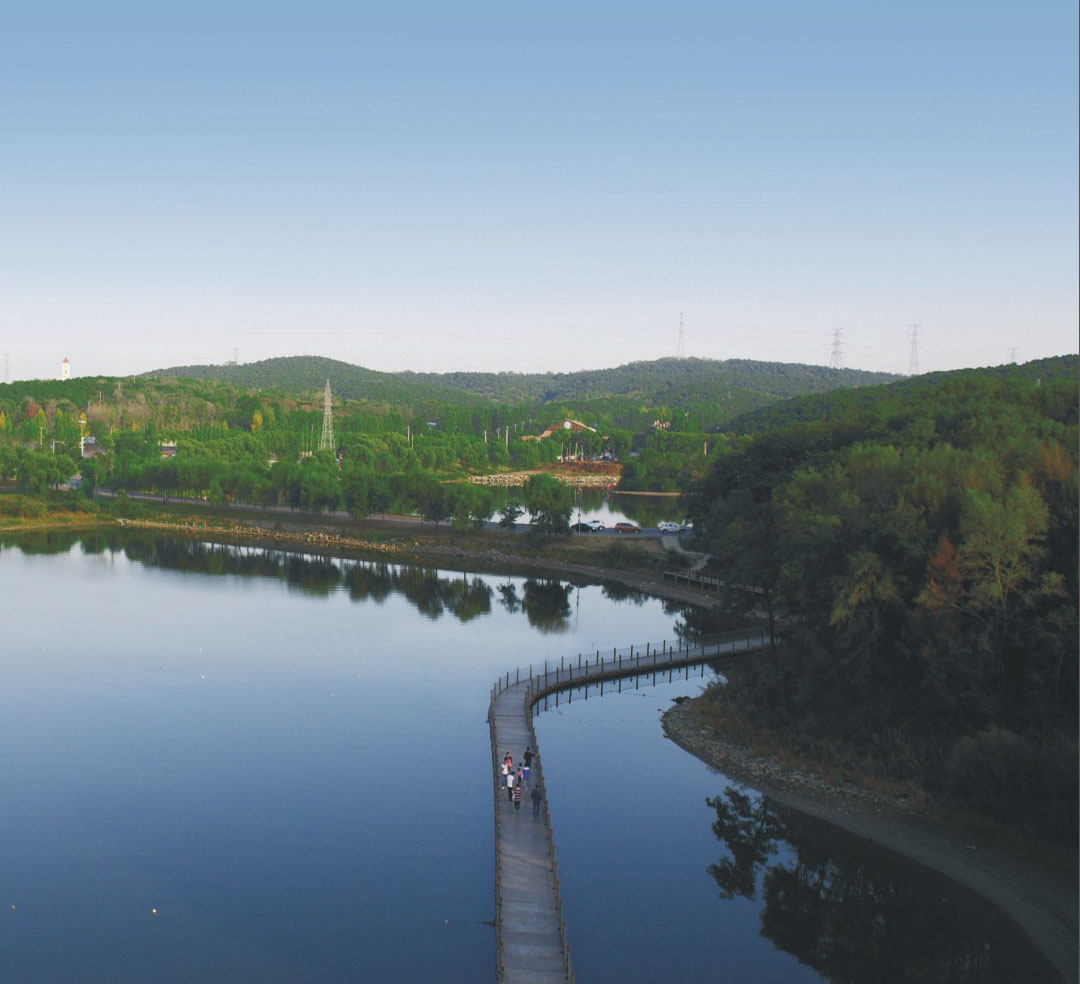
(537, 799)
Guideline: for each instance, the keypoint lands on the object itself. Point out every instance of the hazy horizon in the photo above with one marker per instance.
(241, 364)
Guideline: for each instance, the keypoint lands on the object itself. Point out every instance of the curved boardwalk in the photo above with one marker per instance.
(531, 945)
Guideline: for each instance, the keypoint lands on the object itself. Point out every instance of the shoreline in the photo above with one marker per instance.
(454, 557)
(1040, 899)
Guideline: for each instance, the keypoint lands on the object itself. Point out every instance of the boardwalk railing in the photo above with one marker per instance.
(609, 664)
(691, 576)
(513, 698)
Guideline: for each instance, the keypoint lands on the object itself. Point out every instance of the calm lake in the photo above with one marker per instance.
(234, 764)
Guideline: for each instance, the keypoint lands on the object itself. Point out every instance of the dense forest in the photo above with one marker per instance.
(914, 550)
(727, 388)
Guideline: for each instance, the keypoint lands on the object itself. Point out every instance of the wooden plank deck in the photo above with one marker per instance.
(531, 945)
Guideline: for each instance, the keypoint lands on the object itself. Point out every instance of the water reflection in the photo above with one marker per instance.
(545, 602)
(611, 507)
(854, 912)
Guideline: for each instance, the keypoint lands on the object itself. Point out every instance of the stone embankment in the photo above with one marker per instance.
(578, 480)
(250, 531)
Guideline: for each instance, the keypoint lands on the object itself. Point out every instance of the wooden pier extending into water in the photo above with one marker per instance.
(531, 946)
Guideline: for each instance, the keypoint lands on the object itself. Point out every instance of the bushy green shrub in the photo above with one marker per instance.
(1011, 778)
(124, 507)
(23, 506)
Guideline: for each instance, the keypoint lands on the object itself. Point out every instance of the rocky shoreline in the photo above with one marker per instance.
(1040, 898)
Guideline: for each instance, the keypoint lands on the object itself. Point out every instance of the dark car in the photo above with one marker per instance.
(627, 528)
(581, 528)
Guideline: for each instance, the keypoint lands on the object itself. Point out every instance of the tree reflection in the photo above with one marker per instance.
(468, 598)
(508, 598)
(750, 831)
(42, 541)
(546, 604)
(370, 582)
(856, 913)
(616, 591)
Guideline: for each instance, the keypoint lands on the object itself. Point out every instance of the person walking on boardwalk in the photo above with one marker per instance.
(527, 758)
(517, 797)
(524, 772)
(509, 787)
(536, 798)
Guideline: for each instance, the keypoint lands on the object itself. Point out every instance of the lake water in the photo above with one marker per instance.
(248, 765)
(612, 507)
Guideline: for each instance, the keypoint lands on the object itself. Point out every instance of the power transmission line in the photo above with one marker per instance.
(836, 359)
(326, 439)
(913, 359)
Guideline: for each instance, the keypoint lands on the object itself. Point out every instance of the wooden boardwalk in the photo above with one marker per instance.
(531, 945)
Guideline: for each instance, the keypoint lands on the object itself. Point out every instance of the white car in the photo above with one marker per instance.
(668, 527)
(594, 525)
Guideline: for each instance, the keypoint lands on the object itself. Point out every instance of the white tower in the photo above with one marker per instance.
(65, 369)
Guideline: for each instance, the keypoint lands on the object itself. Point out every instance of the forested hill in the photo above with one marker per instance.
(674, 382)
(920, 542)
(304, 373)
(737, 384)
(837, 405)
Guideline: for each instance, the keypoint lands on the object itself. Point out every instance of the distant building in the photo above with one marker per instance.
(567, 425)
(168, 449)
(65, 369)
(90, 447)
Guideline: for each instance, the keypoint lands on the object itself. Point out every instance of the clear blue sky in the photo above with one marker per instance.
(523, 186)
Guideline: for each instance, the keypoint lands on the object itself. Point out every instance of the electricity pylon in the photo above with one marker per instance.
(326, 441)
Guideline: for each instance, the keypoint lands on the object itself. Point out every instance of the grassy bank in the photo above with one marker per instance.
(53, 510)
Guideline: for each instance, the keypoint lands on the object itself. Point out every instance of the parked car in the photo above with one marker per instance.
(687, 527)
(627, 528)
(668, 527)
(595, 524)
(581, 527)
